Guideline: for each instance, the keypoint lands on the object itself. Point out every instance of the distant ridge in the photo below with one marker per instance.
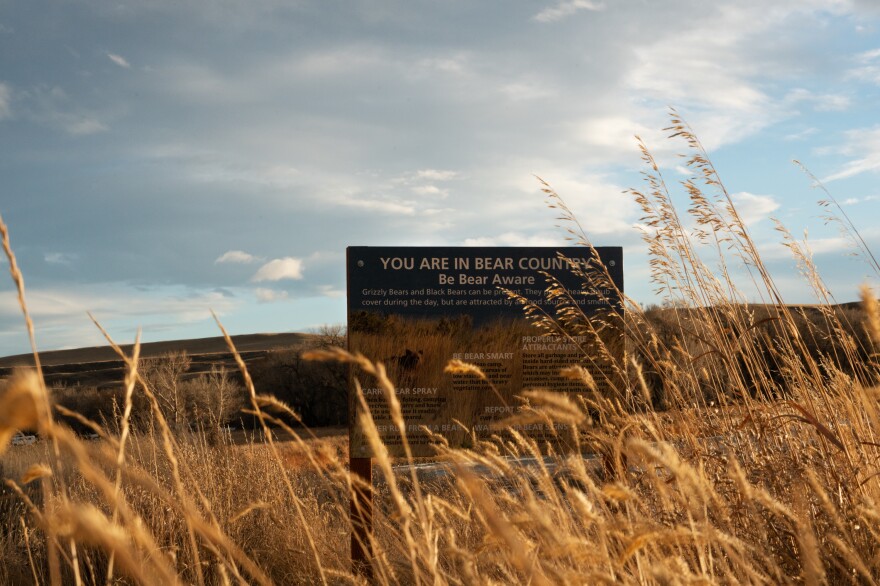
(195, 346)
(100, 366)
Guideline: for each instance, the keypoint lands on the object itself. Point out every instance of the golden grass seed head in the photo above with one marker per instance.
(23, 405)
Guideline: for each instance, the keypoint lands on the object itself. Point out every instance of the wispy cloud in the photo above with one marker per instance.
(237, 257)
(119, 60)
(80, 126)
(60, 258)
(834, 245)
(339, 61)
(585, 192)
(280, 269)
(422, 182)
(565, 9)
(616, 134)
(864, 144)
(269, 295)
(803, 134)
(515, 239)
(330, 291)
(721, 89)
(403, 208)
(851, 201)
(867, 67)
(436, 174)
(430, 190)
(51, 106)
(821, 102)
(61, 310)
(5, 102)
(526, 90)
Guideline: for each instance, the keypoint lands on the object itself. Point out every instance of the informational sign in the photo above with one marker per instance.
(417, 308)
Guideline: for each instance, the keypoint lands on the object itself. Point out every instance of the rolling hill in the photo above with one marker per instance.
(100, 366)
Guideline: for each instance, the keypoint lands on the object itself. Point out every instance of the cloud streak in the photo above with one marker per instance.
(565, 9)
(864, 144)
(119, 60)
(5, 102)
(269, 295)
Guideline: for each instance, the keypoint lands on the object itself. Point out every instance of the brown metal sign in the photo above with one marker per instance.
(415, 309)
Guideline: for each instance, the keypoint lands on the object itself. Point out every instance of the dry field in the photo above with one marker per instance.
(742, 449)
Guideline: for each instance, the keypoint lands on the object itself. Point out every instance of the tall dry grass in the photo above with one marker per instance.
(761, 468)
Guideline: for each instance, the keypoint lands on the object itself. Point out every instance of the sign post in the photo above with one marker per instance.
(361, 511)
(417, 308)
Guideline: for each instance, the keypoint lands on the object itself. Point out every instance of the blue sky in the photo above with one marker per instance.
(162, 158)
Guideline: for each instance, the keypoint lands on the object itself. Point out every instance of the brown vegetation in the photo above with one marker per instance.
(763, 469)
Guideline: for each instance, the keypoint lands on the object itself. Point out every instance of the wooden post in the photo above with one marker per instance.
(362, 518)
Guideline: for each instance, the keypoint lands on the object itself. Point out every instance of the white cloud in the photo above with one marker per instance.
(682, 170)
(516, 239)
(457, 65)
(864, 144)
(78, 126)
(721, 88)
(851, 201)
(421, 182)
(754, 208)
(430, 190)
(236, 256)
(600, 206)
(269, 295)
(716, 79)
(802, 134)
(59, 258)
(283, 175)
(119, 60)
(868, 68)
(832, 102)
(566, 8)
(200, 83)
(5, 102)
(831, 245)
(436, 174)
(279, 269)
(53, 107)
(330, 291)
(616, 134)
(57, 310)
(524, 90)
(821, 102)
(339, 61)
(210, 166)
(818, 246)
(379, 205)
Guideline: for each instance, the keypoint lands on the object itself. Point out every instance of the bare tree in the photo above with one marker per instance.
(213, 399)
(163, 376)
(331, 335)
